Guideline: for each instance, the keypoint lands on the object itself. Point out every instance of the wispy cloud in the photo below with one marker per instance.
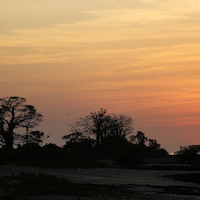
(132, 55)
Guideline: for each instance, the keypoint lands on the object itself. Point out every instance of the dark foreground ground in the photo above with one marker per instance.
(104, 183)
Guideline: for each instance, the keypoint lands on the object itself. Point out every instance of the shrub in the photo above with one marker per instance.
(130, 156)
(188, 155)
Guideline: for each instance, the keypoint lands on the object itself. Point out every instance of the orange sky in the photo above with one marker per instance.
(135, 57)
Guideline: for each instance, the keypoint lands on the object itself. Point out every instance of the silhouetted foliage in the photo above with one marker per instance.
(120, 125)
(154, 150)
(78, 144)
(51, 151)
(15, 113)
(188, 155)
(153, 145)
(111, 141)
(139, 139)
(93, 124)
(30, 151)
(33, 118)
(111, 132)
(51, 147)
(130, 155)
(156, 153)
(31, 147)
(101, 125)
(33, 137)
(110, 146)
(98, 135)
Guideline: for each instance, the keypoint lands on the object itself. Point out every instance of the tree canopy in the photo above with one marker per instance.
(101, 125)
(16, 113)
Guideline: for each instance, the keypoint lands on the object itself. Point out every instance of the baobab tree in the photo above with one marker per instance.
(16, 113)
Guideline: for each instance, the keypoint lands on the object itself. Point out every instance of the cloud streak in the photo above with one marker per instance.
(140, 57)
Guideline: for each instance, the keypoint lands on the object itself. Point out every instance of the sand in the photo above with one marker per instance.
(148, 182)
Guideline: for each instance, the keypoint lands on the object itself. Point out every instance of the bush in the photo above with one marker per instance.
(110, 146)
(188, 155)
(130, 156)
(157, 153)
(51, 151)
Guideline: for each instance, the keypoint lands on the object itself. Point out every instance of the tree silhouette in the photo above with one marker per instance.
(77, 143)
(188, 154)
(34, 137)
(93, 124)
(153, 144)
(139, 139)
(33, 118)
(120, 125)
(101, 125)
(15, 113)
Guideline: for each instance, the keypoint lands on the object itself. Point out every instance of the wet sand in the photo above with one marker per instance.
(147, 182)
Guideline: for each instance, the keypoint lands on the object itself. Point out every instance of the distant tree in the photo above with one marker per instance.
(149, 147)
(78, 143)
(33, 119)
(154, 150)
(17, 140)
(15, 113)
(74, 137)
(101, 125)
(34, 137)
(139, 139)
(120, 125)
(153, 144)
(188, 154)
(93, 124)
(129, 155)
(50, 151)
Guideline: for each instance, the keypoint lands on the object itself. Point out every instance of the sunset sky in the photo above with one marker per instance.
(135, 57)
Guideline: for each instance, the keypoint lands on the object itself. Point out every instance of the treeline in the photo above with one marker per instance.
(99, 135)
(96, 136)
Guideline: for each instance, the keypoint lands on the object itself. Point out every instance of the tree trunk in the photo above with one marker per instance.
(26, 137)
(97, 139)
(8, 137)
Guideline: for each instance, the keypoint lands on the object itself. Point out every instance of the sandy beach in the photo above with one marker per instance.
(150, 183)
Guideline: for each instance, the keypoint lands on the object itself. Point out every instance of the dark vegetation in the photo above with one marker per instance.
(22, 185)
(96, 140)
(96, 137)
(189, 156)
